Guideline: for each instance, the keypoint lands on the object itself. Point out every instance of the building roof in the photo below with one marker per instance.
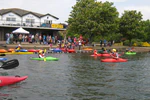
(22, 12)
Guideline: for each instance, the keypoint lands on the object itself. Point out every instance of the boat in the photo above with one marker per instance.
(114, 60)
(8, 80)
(57, 50)
(71, 50)
(47, 59)
(11, 50)
(3, 59)
(18, 53)
(3, 51)
(33, 50)
(22, 50)
(88, 49)
(130, 53)
(102, 55)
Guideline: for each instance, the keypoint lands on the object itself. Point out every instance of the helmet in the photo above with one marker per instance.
(114, 50)
(40, 51)
(19, 45)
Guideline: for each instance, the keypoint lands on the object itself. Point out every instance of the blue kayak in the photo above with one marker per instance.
(22, 50)
(3, 59)
(57, 50)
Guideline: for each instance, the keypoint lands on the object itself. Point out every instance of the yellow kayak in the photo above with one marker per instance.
(18, 53)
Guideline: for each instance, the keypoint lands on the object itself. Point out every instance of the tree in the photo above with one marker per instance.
(93, 19)
(130, 24)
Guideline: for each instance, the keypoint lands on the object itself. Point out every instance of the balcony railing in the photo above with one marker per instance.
(33, 24)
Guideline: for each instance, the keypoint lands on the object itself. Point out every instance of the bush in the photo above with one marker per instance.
(126, 43)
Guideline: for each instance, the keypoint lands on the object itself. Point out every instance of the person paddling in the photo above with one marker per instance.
(41, 54)
(114, 54)
(18, 47)
(95, 52)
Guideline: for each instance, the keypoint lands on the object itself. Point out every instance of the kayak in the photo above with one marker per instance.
(3, 59)
(22, 50)
(33, 50)
(3, 50)
(114, 60)
(56, 50)
(8, 80)
(47, 59)
(71, 51)
(18, 53)
(102, 55)
(88, 49)
(130, 53)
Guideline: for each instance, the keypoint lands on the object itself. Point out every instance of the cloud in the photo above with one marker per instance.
(143, 9)
(113, 0)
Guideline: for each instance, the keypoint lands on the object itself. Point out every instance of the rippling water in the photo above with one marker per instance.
(79, 77)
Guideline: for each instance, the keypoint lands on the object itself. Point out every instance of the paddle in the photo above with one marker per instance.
(45, 57)
(2, 54)
(10, 64)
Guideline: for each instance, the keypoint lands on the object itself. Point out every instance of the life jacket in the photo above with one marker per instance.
(41, 55)
(95, 52)
(115, 54)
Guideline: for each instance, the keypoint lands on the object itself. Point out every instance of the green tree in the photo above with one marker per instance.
(145, 28)
(130, 26)
(93, 20)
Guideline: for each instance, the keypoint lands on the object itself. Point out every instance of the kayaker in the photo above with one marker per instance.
(41, 54)
(95, 52)
(104, 50)
(114, 54)
(130, 49)
(18, 47)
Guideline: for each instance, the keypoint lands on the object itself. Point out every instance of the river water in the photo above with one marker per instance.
(79, 76)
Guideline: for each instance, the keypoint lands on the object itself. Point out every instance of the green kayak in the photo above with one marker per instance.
(47, 59)
(130, 53)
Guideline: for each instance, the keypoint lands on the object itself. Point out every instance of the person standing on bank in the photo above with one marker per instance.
(80, 43)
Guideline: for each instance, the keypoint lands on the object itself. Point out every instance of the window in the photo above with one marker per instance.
(48, 21)
(30, 20)
(11, 19)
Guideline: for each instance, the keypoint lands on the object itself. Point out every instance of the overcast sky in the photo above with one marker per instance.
(62, 8)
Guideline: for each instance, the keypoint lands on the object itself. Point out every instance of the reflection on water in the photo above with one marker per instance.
(79, 77)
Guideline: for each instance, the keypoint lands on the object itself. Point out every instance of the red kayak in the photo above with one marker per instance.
(71, 50)
(114, 60)
(8, 80)
(33, 50)
(102, 55)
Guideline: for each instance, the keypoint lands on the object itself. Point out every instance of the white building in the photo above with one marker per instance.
(13, 18)
(21, 17)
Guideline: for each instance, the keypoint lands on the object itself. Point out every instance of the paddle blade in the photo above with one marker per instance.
(2, 54)
(44, 59)
(45, 51)
(10, 64)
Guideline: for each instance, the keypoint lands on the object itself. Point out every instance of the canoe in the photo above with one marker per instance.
(130, 53)
(3, 59)
(114, 60)
(18, 53)
(47, 59)
(8, 80)
(102, 55)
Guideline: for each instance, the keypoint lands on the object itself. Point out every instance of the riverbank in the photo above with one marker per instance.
(27, 45)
